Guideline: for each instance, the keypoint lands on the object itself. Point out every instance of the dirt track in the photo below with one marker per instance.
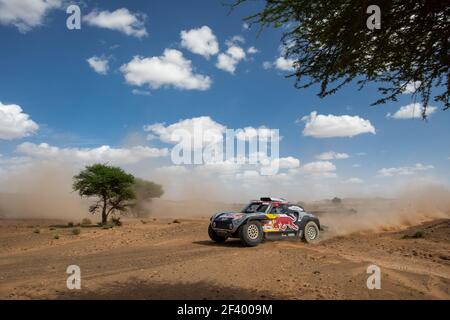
(162, 260)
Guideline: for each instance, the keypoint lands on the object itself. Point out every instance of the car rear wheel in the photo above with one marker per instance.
(251, 233)
(214, 236)
(311, 232)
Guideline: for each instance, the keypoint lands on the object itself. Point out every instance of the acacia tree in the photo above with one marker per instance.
(112, 187)
(145, 191)
(331, 45)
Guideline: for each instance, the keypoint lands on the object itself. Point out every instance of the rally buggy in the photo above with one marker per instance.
(267, 218)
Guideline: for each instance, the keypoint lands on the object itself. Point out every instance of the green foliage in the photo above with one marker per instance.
(145, 191)
(56, 237)
(331, 45)
(70, 224)
(37, 231)
(112, 187)
(76, 231)
(116, 222)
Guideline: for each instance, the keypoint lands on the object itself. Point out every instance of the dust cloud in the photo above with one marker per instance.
(45, 191)
(41, 191)
(413, 206)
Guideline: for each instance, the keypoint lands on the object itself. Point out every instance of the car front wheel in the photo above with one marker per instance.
(251, 233)
(214, 236)
(311, 232)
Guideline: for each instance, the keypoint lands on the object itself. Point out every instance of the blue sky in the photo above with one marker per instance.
(44, 70)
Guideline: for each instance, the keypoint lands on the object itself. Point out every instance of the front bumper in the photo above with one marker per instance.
(224, 227)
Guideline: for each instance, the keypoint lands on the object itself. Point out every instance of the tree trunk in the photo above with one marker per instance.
(104, 214)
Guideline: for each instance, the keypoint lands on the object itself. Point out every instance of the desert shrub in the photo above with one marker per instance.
(56, 237)
(70, 224)
(416, 235)
(176, 221)
(86, 221)
(51, 228)
(116, 222)
(37, 230)
(143, 222)
(76, 231)
(107, 226)
(336, 200)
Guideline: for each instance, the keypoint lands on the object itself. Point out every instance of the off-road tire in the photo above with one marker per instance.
(214, 236)
(311, 232)
(251, 233)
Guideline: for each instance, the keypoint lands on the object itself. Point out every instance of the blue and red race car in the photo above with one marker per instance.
(267, 218)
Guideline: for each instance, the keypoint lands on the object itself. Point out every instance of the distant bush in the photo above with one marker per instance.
(51, 228)
(416, 235)
(336, 200)
(37, 231)
(70, 224)
(56, 237)
(76, 231)
(116, 222)
(176, 221)
(86, 221)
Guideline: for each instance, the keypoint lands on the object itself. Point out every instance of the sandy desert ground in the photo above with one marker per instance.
(156, 258)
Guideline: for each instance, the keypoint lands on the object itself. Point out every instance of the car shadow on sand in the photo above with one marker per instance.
(140, 289)
(227, 244)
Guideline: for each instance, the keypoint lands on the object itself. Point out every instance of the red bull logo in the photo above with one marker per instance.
(284, 222)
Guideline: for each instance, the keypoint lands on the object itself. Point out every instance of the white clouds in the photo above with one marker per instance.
(280, 63)
(353, 181)
(14, 123)
(411, 87)
(120, 20)
(318, 167)
(250, 133)
(235, 39)
(284, 64)
(100, 65)
(404, 171)
(89, 155)
(286, 163)
(228, 61)
(328, 126)
(411, 111)
(267, 65)
(252, 50)
(330, 155)
(138, 92)
(170, 69)
(195, 127)
(25, 14)
(200, 41)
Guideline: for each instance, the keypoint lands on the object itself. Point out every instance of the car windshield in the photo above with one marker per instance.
(255, 207)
